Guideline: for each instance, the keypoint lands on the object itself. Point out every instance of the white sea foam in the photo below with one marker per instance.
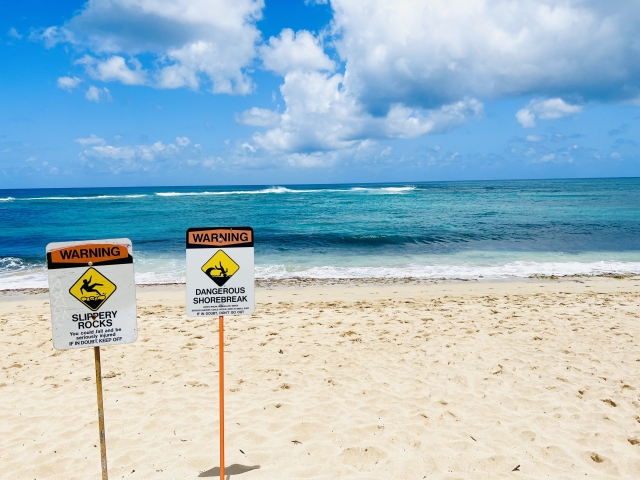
(11, 264)
(276, 190)
(17, 274)
(95, 197)
(466, 271)
(280, 190)
(388, 190)
(265, 191)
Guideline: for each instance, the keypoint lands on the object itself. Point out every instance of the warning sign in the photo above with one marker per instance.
(220, 271)
(220, 268)
(92, 289)
(92, 293)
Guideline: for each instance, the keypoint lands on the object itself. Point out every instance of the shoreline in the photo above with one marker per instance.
(299, 291)
(268, 284)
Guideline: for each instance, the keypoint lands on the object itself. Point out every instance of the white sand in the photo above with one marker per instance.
(454, 380)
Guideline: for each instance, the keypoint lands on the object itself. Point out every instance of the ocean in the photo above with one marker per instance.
(457, 230)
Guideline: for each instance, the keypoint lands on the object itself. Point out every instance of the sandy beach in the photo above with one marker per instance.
(455, 380)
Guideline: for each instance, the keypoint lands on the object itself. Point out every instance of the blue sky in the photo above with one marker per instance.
(188, 92)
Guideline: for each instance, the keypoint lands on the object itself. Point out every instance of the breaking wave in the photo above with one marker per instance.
(264, 191)
(19, 274)
(443, 271)
(383, 189)
(280, 190)
(238, 192)
(93, 197)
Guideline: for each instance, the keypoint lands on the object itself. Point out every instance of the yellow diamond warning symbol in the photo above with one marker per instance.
(220, 268)
(92, 289)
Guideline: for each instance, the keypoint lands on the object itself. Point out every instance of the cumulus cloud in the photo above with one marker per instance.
(191, 40)
(404, 68)
(294, 51)
(68, 83)
(144, 152)
(549, 109)
(259, 117)
(322, 114)
(129, 158)
(414, 68)
(52, 36)
(96, 94)
(114, 68)
(92, 139)
(526, 118)
(433, 53)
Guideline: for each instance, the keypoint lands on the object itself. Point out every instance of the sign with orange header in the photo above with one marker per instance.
(92, 293)
(220, 237)
(220, 271)
(97, 253)
(220, 281)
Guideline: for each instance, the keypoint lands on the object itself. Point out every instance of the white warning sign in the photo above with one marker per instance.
(92, 293)
(220, 271)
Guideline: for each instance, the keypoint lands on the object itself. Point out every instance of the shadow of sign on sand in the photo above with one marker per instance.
(234, 469)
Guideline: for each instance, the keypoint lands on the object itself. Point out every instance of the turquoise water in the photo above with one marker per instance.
(490, 229)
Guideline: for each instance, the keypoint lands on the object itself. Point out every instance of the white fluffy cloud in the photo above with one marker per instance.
(191, 40)
(114, 68)
(52, 36)
(437, 52)
(405, 68)
(92, 139)
(68, 83)
(97, 94)
(294, 51)
(183, 141)
(413, 68)
(259, 117)
(128, 158)
(549, 109)
(322, 114)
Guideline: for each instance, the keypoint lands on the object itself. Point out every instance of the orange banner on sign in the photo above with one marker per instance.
(220, 237)
(91, 252)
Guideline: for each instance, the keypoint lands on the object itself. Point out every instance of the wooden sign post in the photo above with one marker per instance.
(93, 303)
(103, 439)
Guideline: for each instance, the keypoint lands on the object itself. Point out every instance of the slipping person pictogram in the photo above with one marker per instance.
(88, 288)
(86, 291)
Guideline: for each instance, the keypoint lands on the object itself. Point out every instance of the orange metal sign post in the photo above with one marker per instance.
(221, 353)
(220, 257)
